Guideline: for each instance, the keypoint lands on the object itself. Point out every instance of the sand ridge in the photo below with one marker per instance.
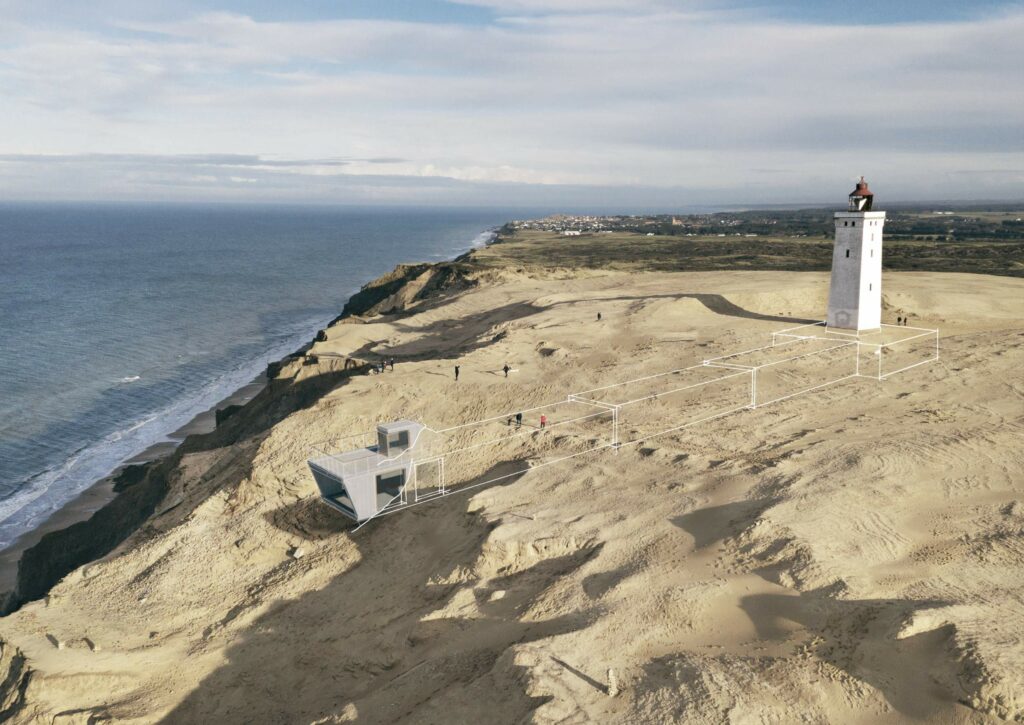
(852, 555)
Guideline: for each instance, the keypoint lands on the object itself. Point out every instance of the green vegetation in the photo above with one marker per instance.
(633, 251)
(983, 241)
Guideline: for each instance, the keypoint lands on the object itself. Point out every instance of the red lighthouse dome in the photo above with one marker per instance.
(861, 197)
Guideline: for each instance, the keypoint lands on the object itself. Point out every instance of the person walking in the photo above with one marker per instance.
(456, 373)
(506, 369)
(598, 316)
(391, 362)
(519, 420)
(543, 421)
(899, 321)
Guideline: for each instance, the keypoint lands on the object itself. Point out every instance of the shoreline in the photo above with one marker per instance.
(86, 503)
(83, 506)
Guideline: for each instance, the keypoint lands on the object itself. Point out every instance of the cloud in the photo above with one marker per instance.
(188, 160)
(611, 95)
(576, 7)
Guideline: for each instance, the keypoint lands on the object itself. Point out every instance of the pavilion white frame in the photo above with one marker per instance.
(602, 400)
(862, 339)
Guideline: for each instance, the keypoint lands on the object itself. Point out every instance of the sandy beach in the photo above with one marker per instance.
(103, 492)
(850, 555)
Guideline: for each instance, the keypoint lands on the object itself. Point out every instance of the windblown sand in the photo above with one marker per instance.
(851, 555)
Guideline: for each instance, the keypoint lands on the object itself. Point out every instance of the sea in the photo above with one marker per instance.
(119, 323)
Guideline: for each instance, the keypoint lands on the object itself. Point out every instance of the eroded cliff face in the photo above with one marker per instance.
(405, 284)
(139, 489)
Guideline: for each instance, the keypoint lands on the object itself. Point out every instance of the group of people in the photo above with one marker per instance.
(901, 321)
(518, 418)
(383, 365)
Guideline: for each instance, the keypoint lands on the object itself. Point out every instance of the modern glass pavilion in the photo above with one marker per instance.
(362, 482)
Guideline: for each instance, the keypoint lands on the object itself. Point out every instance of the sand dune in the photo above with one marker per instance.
(851, 555)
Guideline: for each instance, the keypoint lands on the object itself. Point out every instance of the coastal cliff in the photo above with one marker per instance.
(818, 558)
(140, 488)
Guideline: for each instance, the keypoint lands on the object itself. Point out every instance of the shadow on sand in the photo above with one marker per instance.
(713, 302)
(451, 338)
(603, 689)
(392, 637)
(715, 523)
(917, 674)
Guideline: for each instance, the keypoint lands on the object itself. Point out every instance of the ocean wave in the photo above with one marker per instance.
(130, 379)
(479, 241)
(46, 492)
(484, 238)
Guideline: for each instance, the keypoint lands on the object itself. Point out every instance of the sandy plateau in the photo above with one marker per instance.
(852, 555)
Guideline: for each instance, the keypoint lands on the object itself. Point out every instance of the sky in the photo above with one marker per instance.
(596, 104)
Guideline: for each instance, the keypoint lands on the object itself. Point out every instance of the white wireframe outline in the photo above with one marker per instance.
(440, 490)
(638, 380)
(530, 430)
(728, 366)
(882, 376)
(497, 417)
(674, 390)
(803, 355)
(708, 361)
(824, 335)
(615, 408)
(822, 323)
(806, 390)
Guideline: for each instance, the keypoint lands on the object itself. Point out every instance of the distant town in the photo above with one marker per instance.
(992, 223)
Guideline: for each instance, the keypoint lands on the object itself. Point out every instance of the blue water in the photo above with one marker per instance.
(119, 323)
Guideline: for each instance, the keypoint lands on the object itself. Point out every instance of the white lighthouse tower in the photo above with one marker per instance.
(855, 293)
